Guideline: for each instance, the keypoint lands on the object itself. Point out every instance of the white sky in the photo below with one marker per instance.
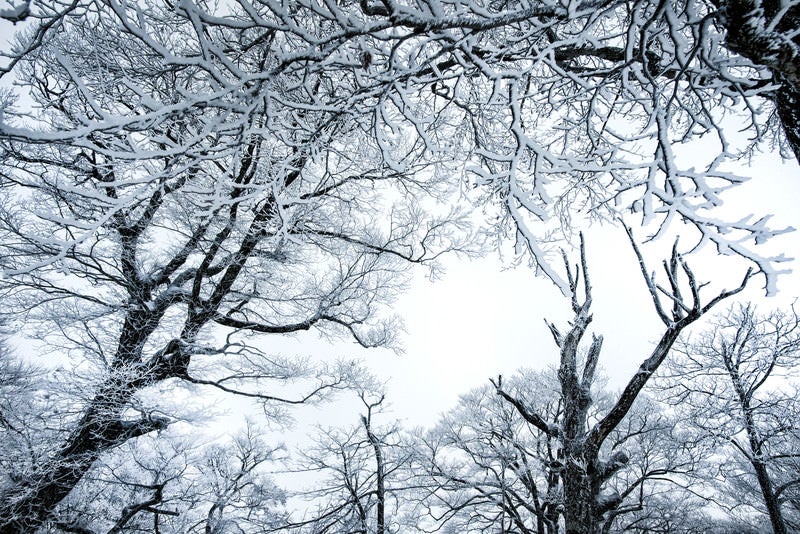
(480, 320)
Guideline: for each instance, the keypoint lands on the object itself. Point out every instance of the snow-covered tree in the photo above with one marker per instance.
(177, 484)
(486, 469)
(361, 476)
(174, 171)
(582, 430)
(172, 198)
(736, 386)
(553, 109)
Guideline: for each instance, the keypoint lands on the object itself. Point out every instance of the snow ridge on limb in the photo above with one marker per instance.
(554, 111)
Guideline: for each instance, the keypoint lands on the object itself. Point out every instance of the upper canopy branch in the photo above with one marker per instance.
(683, 314)
(530, 416)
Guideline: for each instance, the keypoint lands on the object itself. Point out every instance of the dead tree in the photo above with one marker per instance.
(584, 470)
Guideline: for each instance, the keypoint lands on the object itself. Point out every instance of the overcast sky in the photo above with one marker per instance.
(480, 320)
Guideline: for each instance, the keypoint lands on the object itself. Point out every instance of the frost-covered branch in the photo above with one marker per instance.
(684, 313)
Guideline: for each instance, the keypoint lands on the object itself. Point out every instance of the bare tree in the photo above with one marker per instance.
(262, 167)
(585, 468)
(175, 484)
(734, 383)
(361, 473)
(239, 493)
(483, 468)
(171, 208)
(487, 468)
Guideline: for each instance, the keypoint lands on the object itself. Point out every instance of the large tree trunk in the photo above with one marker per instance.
(25, 507)
(788, 103)
(579, 499)
(584, 474)
(752, 31)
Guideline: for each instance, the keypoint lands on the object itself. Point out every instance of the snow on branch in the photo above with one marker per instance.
(16, 13)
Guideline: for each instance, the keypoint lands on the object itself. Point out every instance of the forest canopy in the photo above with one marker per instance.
(182, 178)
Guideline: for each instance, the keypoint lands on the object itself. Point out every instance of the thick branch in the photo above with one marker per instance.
(650, 365)
(530, 417)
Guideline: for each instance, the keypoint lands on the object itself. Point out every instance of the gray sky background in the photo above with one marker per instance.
(480, 320)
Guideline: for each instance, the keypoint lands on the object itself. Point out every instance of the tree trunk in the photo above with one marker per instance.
(755, 442)
(768, 491)
(25, 507)
(788, 103)
(380, 519)
(754, 32)
(579, 512)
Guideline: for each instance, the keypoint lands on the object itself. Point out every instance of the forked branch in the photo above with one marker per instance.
(531, 417)
(683, 314)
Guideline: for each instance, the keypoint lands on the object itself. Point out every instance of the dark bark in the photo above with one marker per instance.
(752, 31)
(380, 488)
(770, 499)
(584, 473)
(26, 507)
(756, 444)
(580, 488)
(787, 101)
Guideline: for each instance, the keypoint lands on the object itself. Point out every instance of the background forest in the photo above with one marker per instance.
(186, 184)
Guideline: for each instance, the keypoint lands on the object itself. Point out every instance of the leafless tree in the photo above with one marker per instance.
(735, 383)
(177, 484)
(484, 469)
(360, 473)
(165, 209)
(488, 469)
(586, 466)
(238, 492)
(263, 167)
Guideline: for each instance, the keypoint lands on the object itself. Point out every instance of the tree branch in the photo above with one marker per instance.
(530, 417)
